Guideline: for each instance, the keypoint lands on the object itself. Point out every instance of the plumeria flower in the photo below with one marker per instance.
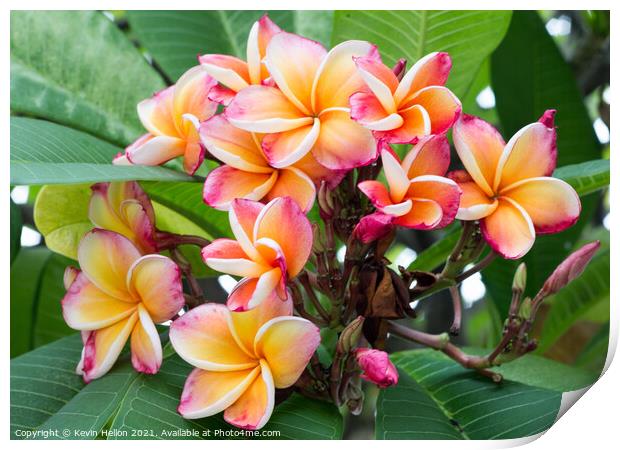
(119, 294)
(418, 195)
(123, 207)
(241, 358)
(418, 105)
(172, 117)
(235, 74)
(247, 173)
(508, 186)
(273, 243)
(308, 111)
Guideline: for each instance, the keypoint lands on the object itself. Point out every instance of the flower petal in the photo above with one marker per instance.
(283, 221)
(156, 281)
(395, 176)
(267, 284)
(225, 184)
(293, 62)
(509, 230)
(430, 156)
(479, 146)
(191, 96)
(338, 78)
(253, 409)
(156, 151)
(232, 72)
(294, 183)
(146, 351)
(156, 113)
(260, 35)
(246, 320)
(265, 109)
(444, 191)
(227, 256)
(138, 221)
(288, 147)
(373, 226)
(105, 258)
(233, 146)
(221, 94)
(431, 70)
(86, 307)
(202, 337)
(416, 124)
(242, 216)
(380, 80)
(475, 204)
(207, 393)
(376, 192)
(103, 346)
(287, 344)
(530, 153)
(440, 103)
(193, 157)
(552, 204)
(368, 112)
(424, 214)
(317, 172)
(342, 143)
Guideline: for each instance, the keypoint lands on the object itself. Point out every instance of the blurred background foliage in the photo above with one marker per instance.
(547, 59)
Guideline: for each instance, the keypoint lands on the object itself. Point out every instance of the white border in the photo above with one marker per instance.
(592, 422)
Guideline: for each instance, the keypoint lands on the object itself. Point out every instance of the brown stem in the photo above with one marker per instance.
(442, 343)
(186, 269)
(298, 302)
(305, 282)
(456, 306)
(477, 267)
(167, 241)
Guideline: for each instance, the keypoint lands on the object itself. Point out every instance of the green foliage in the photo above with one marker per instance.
(46, 153)
(438, 252)
(16, 230)
(577, 299)
(46, 394)
(529, 75)
(469, 37)
(77, 68)
(36, 291)
(586, 177)
(436, 398)
(61, 216)
(174, 38)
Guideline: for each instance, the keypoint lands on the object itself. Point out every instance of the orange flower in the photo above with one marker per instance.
(508, 187)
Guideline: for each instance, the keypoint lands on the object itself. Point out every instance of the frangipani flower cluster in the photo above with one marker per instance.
(292, 117)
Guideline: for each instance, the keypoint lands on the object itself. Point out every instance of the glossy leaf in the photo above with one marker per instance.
(47, 153)
(468, 36)
(16, 229)
(175, 38)
(586, 177)
(124, 404)
(436, 398)
(77, 68)
(436, 254)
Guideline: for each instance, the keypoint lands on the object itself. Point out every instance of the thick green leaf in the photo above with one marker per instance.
(469, 36)
(125, 404)
(77, 68)
(529, 75)
(586, 177)
(174, 38)
(46, 153)
(437, 253)
(16, 230)
(437, 399)
(186, 199)
(61, 216)
(36, 291)
(42, 382)
(594, 355)
(577, 299)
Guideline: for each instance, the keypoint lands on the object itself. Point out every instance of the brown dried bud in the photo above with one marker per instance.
(569, 269)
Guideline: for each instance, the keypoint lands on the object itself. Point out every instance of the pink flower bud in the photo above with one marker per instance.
(570, 268)
(377, 367)
(373, 227)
